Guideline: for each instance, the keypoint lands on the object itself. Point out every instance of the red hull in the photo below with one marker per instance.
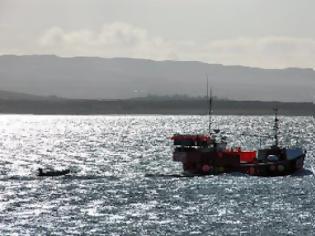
(211, 163)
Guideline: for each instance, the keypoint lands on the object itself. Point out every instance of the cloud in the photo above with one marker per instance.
(268, 52)
(125, 40)
(120, 39)
(112, 40)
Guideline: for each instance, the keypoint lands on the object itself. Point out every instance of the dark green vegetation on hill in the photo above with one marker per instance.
(194, 106)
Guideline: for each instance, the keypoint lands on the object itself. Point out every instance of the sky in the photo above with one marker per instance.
(257, 33)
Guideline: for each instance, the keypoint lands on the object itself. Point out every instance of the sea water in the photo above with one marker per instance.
(122, 184)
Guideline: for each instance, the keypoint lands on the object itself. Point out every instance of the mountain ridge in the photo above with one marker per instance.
(120, 78)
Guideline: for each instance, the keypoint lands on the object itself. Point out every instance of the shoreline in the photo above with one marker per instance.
(153, 107)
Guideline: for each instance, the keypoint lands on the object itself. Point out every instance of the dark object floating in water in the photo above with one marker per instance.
(168, 175)
(53, 172)
(203, 155)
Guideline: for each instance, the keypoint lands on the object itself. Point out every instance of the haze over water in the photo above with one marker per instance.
(110, 194)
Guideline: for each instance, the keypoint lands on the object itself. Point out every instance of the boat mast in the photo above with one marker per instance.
(210, 105)
(276, 127)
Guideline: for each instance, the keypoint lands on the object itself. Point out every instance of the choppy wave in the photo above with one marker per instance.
(125, 183)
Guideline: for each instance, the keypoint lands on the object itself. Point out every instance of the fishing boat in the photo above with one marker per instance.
(203, 154)
(275, 160)
(52, 172)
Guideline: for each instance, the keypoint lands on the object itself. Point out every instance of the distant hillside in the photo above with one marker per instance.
(7, 95)
(101, 78)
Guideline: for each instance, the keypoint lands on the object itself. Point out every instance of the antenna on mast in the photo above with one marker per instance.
(210, 104)
(276, 127)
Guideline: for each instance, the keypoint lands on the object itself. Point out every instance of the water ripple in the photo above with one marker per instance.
(125, 183)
